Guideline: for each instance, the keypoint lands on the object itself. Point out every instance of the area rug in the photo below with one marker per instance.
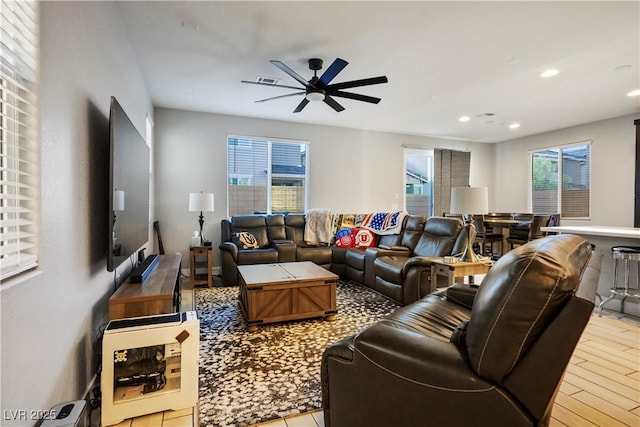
(248, 378)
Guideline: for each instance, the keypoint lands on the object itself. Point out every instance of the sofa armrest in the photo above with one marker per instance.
(462, 294)
(418, 261)
(230, 247)
(286, 250)
(396, 248)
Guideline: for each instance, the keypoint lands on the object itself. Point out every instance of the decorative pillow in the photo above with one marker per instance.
(345, 238)
(245, 240)
(364, 238)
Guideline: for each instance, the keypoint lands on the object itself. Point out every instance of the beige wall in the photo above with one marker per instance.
(612, 169)
(350, 170)
(50, 320)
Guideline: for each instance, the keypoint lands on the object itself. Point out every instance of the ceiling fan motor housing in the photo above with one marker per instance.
(315, 64)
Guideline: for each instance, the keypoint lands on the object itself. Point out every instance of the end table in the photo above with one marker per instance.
(456, 271)
(201, 264)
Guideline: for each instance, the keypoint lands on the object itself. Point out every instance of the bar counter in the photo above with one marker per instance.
(604, 238)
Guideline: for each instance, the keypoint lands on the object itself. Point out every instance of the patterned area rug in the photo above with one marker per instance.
(247, 378)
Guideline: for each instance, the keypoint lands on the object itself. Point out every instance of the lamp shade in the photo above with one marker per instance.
(469, 200)
(200, 202)
(118, 200)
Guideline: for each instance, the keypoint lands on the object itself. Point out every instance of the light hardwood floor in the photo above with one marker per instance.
(600, 388)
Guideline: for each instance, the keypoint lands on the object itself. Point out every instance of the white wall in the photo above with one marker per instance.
(50, 320)
(612, 169)
(351, 170)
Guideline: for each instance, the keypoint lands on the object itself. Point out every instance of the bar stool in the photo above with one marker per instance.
(628, 254)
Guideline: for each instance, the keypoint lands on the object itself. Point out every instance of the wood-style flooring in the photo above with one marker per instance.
(601, 386)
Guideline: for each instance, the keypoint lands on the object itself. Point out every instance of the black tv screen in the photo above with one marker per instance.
(129, 188)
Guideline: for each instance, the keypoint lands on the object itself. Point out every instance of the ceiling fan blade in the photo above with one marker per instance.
(268, 84)
(357, 83)
(291, 73)
(355, 96)
(333, 103)
(281, 96)
(333, 70)
(302, 104)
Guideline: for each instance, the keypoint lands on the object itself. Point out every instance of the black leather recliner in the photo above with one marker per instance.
(359, 262)
(488, 356)
(405, 276)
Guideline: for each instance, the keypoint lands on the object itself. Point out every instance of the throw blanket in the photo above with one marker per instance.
(382, 222)
(317, 228)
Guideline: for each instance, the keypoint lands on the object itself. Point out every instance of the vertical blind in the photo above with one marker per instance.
(19, 137)
(451, 169)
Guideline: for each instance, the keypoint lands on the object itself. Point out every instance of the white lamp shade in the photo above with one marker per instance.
(469, 200)
(118, 200)
(200, 202)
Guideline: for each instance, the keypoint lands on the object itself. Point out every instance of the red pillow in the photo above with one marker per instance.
(364, 238)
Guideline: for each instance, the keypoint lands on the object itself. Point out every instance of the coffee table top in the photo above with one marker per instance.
(286, 272)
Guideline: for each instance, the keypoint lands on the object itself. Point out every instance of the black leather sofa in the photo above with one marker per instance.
(281, 239)
(488, 356)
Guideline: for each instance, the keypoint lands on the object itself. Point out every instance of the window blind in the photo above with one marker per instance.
(19, 137)
(451, 169)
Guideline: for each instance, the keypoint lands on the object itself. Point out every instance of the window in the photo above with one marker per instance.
(19, 138)
(561, 180)
(266, 176)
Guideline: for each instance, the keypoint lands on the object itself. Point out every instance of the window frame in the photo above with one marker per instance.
(20, 158)
(269, 177)
(560, 149)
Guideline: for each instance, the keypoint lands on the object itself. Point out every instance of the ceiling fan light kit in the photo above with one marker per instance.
(319, 88)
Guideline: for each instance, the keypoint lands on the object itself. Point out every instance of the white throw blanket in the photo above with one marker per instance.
(317, 228)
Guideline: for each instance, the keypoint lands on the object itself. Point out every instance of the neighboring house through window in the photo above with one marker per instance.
(561, 180)
(266, 175)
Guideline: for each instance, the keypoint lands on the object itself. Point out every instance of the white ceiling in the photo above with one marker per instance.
(443, 60)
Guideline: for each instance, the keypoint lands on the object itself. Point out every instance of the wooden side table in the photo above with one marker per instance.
(456, 271)
(201, 263)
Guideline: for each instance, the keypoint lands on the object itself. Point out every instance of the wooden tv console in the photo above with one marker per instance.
(159, 294)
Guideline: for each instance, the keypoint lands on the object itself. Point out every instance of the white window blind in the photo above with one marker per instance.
(19, 138)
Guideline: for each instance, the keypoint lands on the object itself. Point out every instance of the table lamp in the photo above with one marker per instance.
(469, 201)
(202, 202)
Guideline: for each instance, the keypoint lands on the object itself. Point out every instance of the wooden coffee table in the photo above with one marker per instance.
(286, 291)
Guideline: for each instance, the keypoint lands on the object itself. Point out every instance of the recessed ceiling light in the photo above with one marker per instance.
(549, 73)
(514, 125)
(634, 93)
(464, 119)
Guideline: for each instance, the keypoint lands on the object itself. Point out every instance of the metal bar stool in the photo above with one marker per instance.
(628, 254)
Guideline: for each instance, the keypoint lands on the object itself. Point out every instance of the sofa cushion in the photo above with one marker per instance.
(389, 268)
(438, 237)
(519, 297)
(257, 256)
(254, 224)
(355, 258)
(318, 255)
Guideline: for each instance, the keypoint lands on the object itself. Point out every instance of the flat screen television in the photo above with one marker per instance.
(129, 158)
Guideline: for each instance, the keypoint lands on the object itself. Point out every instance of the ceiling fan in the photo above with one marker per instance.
(319, 88)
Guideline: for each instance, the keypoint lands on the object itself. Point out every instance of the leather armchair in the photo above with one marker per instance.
(405, 276)
(489, 356)
(359, 262)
